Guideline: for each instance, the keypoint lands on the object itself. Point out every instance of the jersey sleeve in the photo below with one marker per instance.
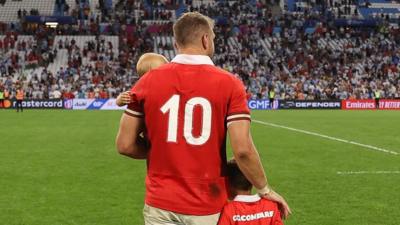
(238, 108)
(224, 218)
(135, 107)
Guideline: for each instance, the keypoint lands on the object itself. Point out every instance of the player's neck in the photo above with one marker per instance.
(192, 51)
(240, 192)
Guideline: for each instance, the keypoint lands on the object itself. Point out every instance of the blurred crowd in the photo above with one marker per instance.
(329, 63)
(268, 52)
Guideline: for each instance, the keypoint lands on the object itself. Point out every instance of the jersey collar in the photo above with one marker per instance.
(192, 59)
(247, 198)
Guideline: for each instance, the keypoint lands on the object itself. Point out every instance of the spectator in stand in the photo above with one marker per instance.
(103, 94)
(68, 94)
(80, 94)
(330, 63)
(91, 94)
(55, 94)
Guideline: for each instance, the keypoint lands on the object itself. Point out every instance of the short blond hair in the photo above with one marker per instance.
(149, 61)
(189, 27)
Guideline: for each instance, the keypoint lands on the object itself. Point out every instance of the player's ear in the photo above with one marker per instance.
(205, 41)
(176, 46)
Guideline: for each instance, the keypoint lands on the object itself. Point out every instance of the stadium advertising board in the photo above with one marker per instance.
(361, 104)
(262, 104)
(365, 104)
(97, 104)
(79, 104)
(7, 104)
(389, 104)
(92, 104)
(111, 104)
(37, 104)
(310, 104)
(68, 104)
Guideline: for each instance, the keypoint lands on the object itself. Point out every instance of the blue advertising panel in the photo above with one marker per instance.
(97, 104)
(262, 104)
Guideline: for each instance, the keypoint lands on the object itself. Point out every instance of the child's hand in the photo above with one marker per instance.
(124, 98)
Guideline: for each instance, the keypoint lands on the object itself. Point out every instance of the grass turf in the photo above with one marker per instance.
(61, 168)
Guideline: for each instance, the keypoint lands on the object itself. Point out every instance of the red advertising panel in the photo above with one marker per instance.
(384, 104)
(359, 104)
(389, 104)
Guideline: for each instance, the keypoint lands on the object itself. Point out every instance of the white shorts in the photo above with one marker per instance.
(155, 216)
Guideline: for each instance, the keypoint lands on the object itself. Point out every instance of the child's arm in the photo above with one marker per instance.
(123, 98)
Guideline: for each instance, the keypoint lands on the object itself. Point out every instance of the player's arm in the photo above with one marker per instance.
(128, 141)
(248, 160)
(246, 154)
(244, 151)
(238, 123)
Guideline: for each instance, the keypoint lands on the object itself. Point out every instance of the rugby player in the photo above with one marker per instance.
(187, 108)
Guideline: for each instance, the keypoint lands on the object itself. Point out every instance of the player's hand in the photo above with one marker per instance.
(282, 204)
(124, 98)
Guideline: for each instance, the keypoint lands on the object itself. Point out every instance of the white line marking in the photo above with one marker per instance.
(367, 172)
(328, 137)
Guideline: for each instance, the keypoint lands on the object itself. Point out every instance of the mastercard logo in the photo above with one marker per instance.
(7, 104)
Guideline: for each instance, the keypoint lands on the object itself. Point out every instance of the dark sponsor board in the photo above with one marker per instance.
(310, 104)
(38, 104)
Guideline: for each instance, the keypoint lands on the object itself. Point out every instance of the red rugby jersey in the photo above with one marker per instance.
(187, 105)
(250, 210)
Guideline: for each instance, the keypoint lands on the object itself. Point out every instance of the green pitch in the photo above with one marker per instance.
(61, 168)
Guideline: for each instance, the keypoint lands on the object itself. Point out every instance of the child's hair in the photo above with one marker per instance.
(236, 178)
(149, 61)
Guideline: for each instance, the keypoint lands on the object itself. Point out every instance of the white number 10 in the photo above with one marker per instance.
(172, 106)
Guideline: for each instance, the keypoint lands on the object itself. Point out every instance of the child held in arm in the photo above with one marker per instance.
(245, 208)
(146, 62)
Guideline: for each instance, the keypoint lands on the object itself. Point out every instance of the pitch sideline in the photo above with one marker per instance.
(327, 137)
(367, 172)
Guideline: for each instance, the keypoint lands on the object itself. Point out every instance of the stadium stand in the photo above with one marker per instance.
(9, 11)
(322, 50)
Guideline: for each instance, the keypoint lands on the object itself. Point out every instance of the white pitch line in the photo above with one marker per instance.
(328, 137)
(366, 172)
